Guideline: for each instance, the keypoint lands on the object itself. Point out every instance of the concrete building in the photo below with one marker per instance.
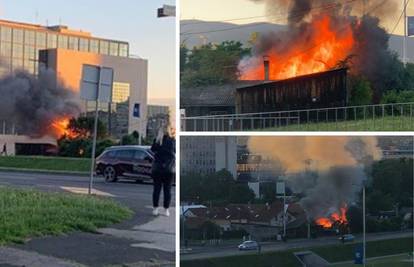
(31, 47)
(208, 154)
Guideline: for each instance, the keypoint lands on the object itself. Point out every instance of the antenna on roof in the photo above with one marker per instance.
(47, 23)
(60, 20)
(36, 15)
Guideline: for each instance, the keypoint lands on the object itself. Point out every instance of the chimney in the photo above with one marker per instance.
(266, 67)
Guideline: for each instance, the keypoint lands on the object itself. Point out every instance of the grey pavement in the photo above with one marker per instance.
(231, 250)
(144, 240)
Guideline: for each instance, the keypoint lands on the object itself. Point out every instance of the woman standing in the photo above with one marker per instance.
(163, 168)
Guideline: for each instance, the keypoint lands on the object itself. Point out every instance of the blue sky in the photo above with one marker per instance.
(134, 21)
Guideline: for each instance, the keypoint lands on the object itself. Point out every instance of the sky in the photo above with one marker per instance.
(149, 37)
(219, 10)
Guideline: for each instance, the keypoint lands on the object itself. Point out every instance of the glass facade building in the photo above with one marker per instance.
(20, 44)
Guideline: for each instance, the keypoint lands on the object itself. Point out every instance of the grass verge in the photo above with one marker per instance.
(31, 213)
(394, 261)
(382, 124)
(46, 163)
(332, 253)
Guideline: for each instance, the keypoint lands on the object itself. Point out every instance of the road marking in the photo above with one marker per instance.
(84, 190)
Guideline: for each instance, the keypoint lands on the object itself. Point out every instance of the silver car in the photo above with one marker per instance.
(249, 245)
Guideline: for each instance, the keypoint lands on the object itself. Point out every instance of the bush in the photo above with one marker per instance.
(394, 96)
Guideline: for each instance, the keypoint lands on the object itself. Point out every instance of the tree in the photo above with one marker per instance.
(241, 194)
(211, 64)
(354, 215)
(394, 96)
(361, 93)
(83, 127)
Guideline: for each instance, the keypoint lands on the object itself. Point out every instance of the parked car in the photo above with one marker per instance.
(347, 238)
(128, 162)
(249, 245)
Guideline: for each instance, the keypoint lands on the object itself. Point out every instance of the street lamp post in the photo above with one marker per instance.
(363, 225)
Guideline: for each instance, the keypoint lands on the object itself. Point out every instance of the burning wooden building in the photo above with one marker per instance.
(318, 90)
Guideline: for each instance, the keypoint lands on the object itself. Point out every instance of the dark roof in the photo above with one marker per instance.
(263, 84)
(212, 95)
(250, 212)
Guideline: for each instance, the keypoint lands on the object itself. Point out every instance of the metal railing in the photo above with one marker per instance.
(381, 117)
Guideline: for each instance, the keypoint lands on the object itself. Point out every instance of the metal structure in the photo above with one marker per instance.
(318, 90)
(379, 117)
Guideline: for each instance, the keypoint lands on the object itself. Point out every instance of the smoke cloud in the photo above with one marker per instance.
(34, 103)
(329, 171)
(361, 43)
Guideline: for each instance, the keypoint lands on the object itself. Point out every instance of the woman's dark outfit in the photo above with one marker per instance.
(163, 169)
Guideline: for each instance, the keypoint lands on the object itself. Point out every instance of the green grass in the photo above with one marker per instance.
(395, 261)
(378, 248)
(31, 213)
(275, 259)
(385, 124)
(332, 253)
(46, 163)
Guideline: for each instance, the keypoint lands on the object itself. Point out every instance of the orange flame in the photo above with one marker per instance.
(320, 51)
(333, 218)
(59, 128)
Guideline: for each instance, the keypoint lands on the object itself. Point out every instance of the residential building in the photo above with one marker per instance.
(208, 154)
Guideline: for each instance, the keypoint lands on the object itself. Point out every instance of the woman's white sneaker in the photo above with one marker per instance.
(167, 213)
(155, 212)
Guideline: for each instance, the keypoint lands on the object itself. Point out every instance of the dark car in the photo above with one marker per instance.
(129, 162)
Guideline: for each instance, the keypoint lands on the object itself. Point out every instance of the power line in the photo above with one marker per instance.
(296, 14)
(263, 16)
(399, 19)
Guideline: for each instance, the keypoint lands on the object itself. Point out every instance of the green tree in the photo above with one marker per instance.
(83, 127)
(361, 93)
(394, 96)
(211, 64)
(241, 194)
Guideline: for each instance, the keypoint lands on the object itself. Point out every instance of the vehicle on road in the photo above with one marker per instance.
(127, 162)
(249, 245)
(347, 238)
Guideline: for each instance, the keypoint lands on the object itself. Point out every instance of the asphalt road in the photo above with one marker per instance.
(231, 250)
(142, 240)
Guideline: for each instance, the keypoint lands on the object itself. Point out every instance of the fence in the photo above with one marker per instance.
(381, 117)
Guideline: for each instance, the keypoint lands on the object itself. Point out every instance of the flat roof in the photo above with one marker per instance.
(57, 29)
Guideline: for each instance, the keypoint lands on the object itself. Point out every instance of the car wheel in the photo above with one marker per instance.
(110, 174)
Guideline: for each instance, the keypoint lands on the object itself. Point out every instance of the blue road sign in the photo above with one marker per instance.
(359, 254)
(136, 112)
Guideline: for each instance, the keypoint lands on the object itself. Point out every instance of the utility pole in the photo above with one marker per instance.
(405, 34)
(363, 225)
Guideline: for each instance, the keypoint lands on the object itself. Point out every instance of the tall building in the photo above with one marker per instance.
(31, 47)
(208, 154)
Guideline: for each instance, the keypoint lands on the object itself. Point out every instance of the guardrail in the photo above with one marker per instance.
(381, 117)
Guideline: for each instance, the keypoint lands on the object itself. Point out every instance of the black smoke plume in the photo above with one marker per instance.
(33, 103)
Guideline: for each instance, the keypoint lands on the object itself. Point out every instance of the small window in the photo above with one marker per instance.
(74, 43)
(41, 39)
(63, 41)
(18, 36)
(113, 49)
(110, 153)
(51, 40)
(123, 50)
(83, 44)
(94, 46)
(29, 37)
(104, 47)
(6, 34)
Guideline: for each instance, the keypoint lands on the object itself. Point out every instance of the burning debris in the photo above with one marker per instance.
(323, 35)
(328, 171)
(39, 105)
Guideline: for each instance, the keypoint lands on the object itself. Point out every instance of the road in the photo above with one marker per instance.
(142, 240)
(231, 250)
